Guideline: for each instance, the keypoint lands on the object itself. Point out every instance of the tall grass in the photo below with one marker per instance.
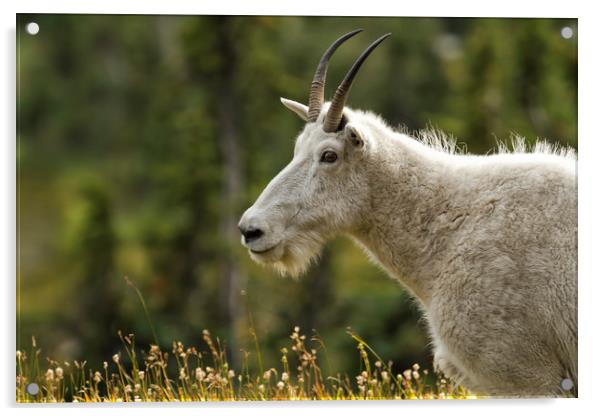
(187, 374)
(204, 374)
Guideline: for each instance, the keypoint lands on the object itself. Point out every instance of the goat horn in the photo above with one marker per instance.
(316, 95)
(335, 112)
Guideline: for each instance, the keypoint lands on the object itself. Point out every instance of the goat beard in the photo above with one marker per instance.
(299, 254)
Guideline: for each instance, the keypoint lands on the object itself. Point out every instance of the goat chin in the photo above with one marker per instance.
(295, 256)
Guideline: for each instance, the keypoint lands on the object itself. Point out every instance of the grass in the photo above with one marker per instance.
(187, 374)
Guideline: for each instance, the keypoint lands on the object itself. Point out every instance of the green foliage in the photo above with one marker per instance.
(142, 139)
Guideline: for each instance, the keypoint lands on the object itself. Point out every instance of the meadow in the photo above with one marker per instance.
(205, 372)
(185, 374)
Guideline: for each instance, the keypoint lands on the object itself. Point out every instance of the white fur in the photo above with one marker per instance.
(486, 244)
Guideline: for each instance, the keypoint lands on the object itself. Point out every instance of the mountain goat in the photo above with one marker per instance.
(486, 244)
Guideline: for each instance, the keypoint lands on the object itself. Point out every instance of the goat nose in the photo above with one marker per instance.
(251, 234)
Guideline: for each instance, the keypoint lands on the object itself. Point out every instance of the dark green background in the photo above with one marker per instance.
(142, 139)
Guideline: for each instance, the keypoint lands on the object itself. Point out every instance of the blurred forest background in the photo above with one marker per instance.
(142, 139)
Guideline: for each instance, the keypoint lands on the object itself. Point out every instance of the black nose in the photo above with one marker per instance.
(251, 234)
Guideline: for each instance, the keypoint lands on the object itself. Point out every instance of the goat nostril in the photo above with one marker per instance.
(252, 234)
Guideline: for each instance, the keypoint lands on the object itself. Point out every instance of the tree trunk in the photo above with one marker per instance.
(230, 148)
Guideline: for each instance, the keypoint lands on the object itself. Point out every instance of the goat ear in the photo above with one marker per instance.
(295, 107)
(354, 136)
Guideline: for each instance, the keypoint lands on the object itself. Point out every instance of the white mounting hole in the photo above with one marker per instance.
(33, 389)
(566, 32)
(32, 28)
(566, 384)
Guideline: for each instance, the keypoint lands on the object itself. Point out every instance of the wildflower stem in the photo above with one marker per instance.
(146, 313)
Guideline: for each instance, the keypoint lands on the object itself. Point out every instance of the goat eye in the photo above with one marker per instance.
(328, 157)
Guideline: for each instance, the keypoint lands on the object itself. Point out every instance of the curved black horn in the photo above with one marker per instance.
(335, 112)
(316, 95)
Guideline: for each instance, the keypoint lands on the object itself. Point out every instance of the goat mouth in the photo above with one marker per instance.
(263, 251)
